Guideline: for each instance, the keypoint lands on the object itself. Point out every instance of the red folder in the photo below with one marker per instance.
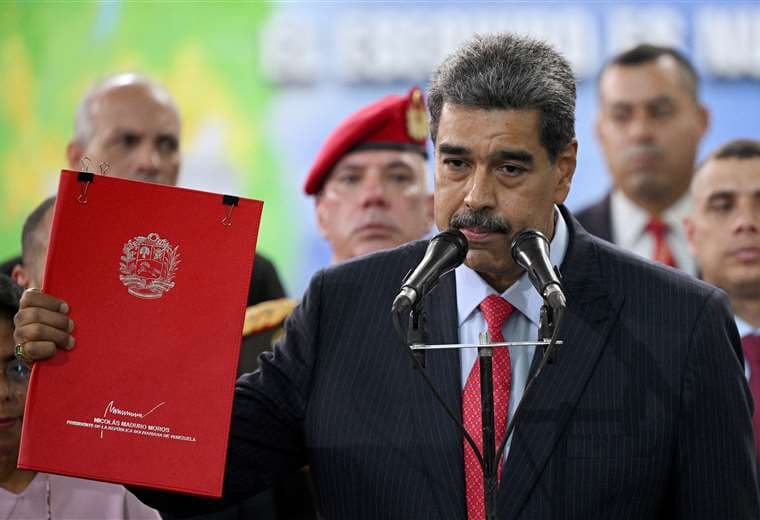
(156, 278)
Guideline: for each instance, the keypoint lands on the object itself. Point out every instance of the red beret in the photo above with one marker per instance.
(394, 122)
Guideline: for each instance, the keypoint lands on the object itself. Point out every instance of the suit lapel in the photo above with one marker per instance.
(441, 441)
(590, 315)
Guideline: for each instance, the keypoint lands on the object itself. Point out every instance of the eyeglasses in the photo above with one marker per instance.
(17, 374)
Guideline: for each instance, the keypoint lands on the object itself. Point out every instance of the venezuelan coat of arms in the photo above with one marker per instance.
(148, 266)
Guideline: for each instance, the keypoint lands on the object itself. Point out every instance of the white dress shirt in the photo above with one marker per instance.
(522, 325)
(745, 329)
(629, 223)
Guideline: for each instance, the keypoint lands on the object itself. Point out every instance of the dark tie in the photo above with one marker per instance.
(751, 348)
(495, 310)
(662, 253)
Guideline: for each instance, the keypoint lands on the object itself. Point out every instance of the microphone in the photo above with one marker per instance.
(530, 250)
(445, 252)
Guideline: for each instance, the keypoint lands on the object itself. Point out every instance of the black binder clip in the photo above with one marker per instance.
(84, 179)
(230, 201)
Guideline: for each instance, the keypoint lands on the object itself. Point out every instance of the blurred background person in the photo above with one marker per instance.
(723, 229)
(35, 236)
(369, 179)
(649, 124)
(369, 184)
(131, 122)
(26, 495)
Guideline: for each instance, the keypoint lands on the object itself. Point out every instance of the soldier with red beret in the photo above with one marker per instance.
(370, 189)
(369, 178)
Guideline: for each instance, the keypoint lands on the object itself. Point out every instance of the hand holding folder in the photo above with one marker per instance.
(156, 279)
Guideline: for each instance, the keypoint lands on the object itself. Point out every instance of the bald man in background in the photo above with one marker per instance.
(131, 122)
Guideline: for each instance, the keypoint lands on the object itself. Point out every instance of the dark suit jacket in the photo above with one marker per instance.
(644, 414)
(597, 218)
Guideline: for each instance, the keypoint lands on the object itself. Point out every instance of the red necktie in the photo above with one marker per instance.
(751, 348)
(496, 310)
(662, 252)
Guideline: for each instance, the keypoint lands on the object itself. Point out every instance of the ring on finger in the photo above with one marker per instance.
(20, 354)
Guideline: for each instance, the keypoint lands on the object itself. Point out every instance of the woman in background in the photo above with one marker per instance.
(28, 495)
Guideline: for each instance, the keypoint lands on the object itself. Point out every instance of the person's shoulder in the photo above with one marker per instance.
(403, 257)
(593, 207)
(76, 485)
(626, 269)
(262, 262)
(595, 218)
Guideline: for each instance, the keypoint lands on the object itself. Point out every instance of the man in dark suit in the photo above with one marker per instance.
(724, 234)
(649, 125)
(637, 417)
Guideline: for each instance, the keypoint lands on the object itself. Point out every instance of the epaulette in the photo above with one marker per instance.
(266, 315)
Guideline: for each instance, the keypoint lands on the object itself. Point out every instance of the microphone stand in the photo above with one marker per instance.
(546, 323)
(490, 464)
(417, 335)
(417, 332)
(415, 338)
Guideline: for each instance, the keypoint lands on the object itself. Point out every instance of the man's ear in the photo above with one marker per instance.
(321, 216)
(74, 154)
(703, 120)
(565, 165)
(688, 227)
(430, 211)
(20, 275)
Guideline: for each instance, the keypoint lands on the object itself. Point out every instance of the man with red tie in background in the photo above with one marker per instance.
(649, 125)
(724, 234)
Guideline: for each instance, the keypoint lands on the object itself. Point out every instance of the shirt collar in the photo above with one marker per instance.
(745, 329)
(629, 220)
(472, 289)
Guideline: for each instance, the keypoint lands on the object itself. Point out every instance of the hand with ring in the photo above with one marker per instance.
(42, 326)
(18, 352)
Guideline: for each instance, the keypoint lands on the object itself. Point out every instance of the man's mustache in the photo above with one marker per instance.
(481, 219)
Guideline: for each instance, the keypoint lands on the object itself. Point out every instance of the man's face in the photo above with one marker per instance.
(374, 200)
(724, 227)
(494, 179)
(29, 273)
(13, 387)
(136, 131)
(649, 126)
